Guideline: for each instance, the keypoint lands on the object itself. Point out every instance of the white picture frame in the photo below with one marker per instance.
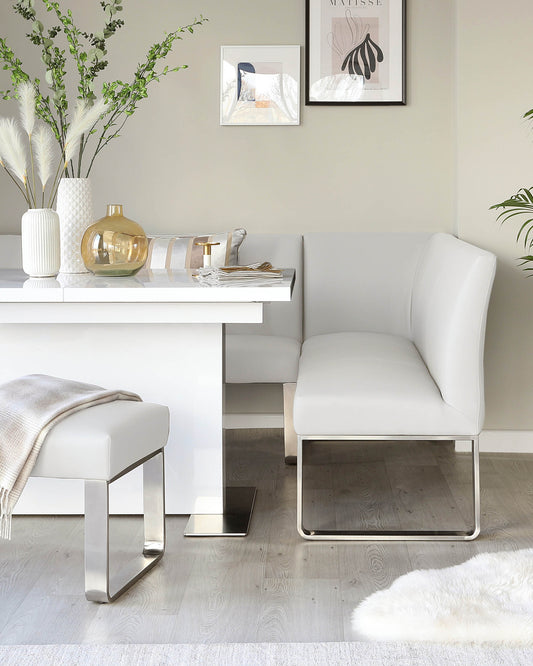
(260, 85)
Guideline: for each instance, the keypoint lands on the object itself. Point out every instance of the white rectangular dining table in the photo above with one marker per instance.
(160, 334)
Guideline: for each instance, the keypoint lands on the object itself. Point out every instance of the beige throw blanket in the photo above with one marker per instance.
(29, 407)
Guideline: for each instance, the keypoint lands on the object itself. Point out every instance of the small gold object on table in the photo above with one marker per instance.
(265, 267)
(207, 251)
(114, 245)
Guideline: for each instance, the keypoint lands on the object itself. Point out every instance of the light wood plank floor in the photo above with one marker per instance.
(271, 585)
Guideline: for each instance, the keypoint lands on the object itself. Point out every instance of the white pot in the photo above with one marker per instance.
(75, 210)
(40, 242)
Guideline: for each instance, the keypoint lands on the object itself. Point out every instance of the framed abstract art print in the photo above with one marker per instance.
(355, 52)
(260, 85)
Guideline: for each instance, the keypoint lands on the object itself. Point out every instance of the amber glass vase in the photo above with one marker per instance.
(114, 245)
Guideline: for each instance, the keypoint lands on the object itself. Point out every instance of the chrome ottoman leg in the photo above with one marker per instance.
(98, 586)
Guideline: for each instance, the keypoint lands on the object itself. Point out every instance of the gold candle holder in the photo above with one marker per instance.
(207, 250)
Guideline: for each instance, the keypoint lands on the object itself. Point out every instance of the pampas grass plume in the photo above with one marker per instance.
(12, 149)
(26, 94)
(83, 120)
(43, 142)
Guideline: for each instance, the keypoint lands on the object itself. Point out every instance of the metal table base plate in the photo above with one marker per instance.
(235, 521)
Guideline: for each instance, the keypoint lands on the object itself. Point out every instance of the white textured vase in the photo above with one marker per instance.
(75, 210)
(40, 242)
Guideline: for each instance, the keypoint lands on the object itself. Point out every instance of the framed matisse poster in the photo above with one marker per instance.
(355, 52)
(260, 85)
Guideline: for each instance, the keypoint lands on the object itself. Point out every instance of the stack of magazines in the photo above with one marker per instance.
(234, 276)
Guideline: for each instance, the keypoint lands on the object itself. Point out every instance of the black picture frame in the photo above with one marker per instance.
(355, 52)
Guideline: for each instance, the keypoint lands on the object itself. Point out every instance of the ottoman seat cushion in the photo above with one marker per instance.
(101, 441)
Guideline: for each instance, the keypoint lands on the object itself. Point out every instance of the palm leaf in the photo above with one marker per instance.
(524, 226)
(528, 259)
(520, 203)
(528, 240)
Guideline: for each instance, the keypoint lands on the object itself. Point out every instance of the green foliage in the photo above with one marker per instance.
(88, 52)
(520, 205)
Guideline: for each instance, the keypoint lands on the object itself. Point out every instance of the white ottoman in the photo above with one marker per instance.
(100, 444)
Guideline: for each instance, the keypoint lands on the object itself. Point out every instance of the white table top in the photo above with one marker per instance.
(145, 287)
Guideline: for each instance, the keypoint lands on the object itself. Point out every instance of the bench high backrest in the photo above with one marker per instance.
(360, 281)
(449, 310)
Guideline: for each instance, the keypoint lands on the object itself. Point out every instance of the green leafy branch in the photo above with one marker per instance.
(123, 98)
(88, 52)
(89, 61)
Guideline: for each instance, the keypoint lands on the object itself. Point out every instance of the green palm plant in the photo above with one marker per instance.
(520, 205)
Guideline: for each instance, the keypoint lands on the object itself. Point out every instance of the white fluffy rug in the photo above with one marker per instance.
(488, 599)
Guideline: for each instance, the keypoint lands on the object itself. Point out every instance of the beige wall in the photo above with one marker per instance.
(435, 164)
(176, 168)
(494, 157)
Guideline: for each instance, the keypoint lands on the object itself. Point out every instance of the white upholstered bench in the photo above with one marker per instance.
(393, 349)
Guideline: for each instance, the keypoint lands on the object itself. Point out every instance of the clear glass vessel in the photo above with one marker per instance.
(114, 245)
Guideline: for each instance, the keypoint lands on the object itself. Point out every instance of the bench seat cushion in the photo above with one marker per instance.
(261, 359)
(101, 441)
(362, 383)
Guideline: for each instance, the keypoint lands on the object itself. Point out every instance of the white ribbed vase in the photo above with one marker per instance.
(40, 242)
(75, 210)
